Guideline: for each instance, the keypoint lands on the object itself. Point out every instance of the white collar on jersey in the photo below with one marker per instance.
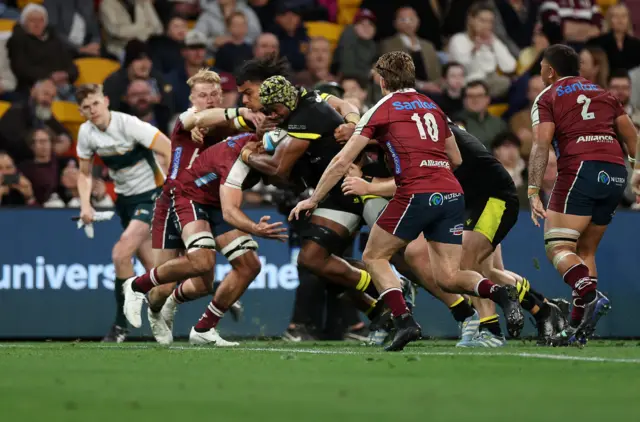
(403, 90)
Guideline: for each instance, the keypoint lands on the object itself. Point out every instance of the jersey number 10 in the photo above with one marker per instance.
(429, 122)
(586, 114)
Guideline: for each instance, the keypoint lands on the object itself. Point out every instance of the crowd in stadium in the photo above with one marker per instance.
(479, 60)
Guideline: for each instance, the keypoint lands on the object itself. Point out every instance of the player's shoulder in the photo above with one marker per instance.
(545, 96)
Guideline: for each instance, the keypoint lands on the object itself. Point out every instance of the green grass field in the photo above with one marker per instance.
(329, 382)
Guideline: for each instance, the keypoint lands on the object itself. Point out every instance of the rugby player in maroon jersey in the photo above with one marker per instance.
(206, 199)
(186, 144)
(585, 125)
(415, 135)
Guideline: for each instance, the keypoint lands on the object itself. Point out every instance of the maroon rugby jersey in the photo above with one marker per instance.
(584, 116)
(218, 165)
(184, 150)
(560, 11)
(412, 130)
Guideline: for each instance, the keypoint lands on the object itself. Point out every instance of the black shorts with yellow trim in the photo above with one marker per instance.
(493, 217)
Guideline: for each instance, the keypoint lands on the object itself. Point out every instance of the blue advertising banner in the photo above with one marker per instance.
(55, 282)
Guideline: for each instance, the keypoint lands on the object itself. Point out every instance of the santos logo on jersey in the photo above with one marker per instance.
(413, 105)
(578, 86)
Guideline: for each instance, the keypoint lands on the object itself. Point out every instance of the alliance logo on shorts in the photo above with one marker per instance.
(436, 199)
(457, 230)
(603, 177)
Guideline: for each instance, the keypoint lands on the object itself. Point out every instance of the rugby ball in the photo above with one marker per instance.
(271, 139)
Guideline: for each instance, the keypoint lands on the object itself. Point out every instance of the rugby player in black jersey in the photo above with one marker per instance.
(492, 210)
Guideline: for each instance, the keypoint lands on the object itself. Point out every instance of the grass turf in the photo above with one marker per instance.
(329, 382)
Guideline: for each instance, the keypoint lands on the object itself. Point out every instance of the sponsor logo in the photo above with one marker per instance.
(578, 86)
(206, 179)
(435, 163)
(141, 211)
(394, 156)
(232, 140)
(583, 282)
(296, 127)
(175, 163)
(413, 105)
(603, 177)
(457, 230)
(596, 138)
(436, 199)
(452, 196)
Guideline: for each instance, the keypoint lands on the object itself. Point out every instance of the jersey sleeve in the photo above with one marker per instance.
(238, 172)
(141, 132)
(371, 120)
(617, 106)
(84, 148)
(542, 110)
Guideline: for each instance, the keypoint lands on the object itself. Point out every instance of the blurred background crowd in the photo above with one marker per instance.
(479, 60)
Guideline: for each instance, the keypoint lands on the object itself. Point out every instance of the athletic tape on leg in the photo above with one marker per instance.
(201, 240)
(560, 237)
(239, 246)
(560, 256)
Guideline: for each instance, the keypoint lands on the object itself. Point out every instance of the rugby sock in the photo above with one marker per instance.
(179, 297)
(394, 300)
(486, 289)
(210, 318)
(578, 278)
(461, 309)
(491, 324)
(541, 312)
(121, 319)
(577, 310)
(145, 282)
(365, 280)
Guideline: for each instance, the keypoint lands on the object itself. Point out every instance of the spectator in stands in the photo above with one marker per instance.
(355, 86)
(34, 113)
(594, 65)
(15, 188)
(450, 100)
(423, 53)
(212, 21)
(476, 118)
(620, 87)
(292, 36)
(578, 21)
(187, 9)
(622, 48)
(356, 50)
(506, 148)
(139, 102)
(36, 52)
(520, 122)
(76, 25)
(232, 54)
(8, 80)
(266, 44)
(166, 49)
(482, 53)
(318, 64)
(137, 65)
(7, 12)
(265, 10)
(193, 53)
(515, 22)
(125, 20)
(42, 170)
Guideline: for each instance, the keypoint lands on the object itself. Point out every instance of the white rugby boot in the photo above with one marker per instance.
(209, 338)
(161, 332)
(132, 303)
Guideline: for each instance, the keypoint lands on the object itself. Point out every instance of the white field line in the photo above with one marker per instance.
(364, 351)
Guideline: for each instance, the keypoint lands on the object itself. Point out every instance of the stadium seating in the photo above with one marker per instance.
(6, 25)
(68, 114)
(22, 3)
(4, 106)
(498, 109)
(328, 30)
(347, 10)
(94, 70)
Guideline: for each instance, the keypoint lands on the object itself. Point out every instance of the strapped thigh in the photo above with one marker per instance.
(238, 247)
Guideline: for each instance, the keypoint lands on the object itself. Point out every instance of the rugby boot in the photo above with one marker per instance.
(484, 339)
(507, 298)
(593, 311)
(558, 317)
(407, 330)
(209, 338)
(469, 329)
(566, 337)
(116, 334)
(132, 303)
(159, 328)
(544, 325)
(408, 292)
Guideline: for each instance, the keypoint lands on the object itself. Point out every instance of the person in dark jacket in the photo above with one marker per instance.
(293, 37)
(234, 53)
(76, 25)
(165, 49)
(36, 52)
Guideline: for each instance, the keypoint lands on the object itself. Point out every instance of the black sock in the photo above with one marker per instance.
(537, 294)
(461, 310)
(121, 320)
(491, 324)
(543, 313)
(530, 301)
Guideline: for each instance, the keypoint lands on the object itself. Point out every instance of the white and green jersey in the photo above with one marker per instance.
(125, 148)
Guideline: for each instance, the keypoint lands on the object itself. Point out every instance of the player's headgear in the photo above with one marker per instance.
(563, 59)
(278, 90)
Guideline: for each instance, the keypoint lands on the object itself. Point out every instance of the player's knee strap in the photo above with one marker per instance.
(560, 237)
(201, 240)
(238, 247)
(323, 236)
(346, 219)
(372, 209)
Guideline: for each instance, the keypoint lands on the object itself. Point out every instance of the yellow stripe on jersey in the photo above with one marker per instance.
(155, 138)
(301, 135)
(491, 218)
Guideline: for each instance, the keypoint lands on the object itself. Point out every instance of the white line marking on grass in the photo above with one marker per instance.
(343, 352)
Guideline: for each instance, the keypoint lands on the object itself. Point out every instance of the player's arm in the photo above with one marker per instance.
(349, 113)
(451, 148)
(281, 162)
(628, 134)
(385, 186)
(539, 157)
(85, 153)
(213, 117)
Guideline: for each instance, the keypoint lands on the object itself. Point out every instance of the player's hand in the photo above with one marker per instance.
(270, 231)
(537, 209)
(198, 134)
(267, 124)
(344, 132)
(307, 205)
(255, 118)
(635, 181)
(86, 214)
(355, 186)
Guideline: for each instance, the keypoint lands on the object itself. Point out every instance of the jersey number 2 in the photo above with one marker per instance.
(586, 114)
(429, 122)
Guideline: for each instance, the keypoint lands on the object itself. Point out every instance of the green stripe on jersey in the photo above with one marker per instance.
(128, 159)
